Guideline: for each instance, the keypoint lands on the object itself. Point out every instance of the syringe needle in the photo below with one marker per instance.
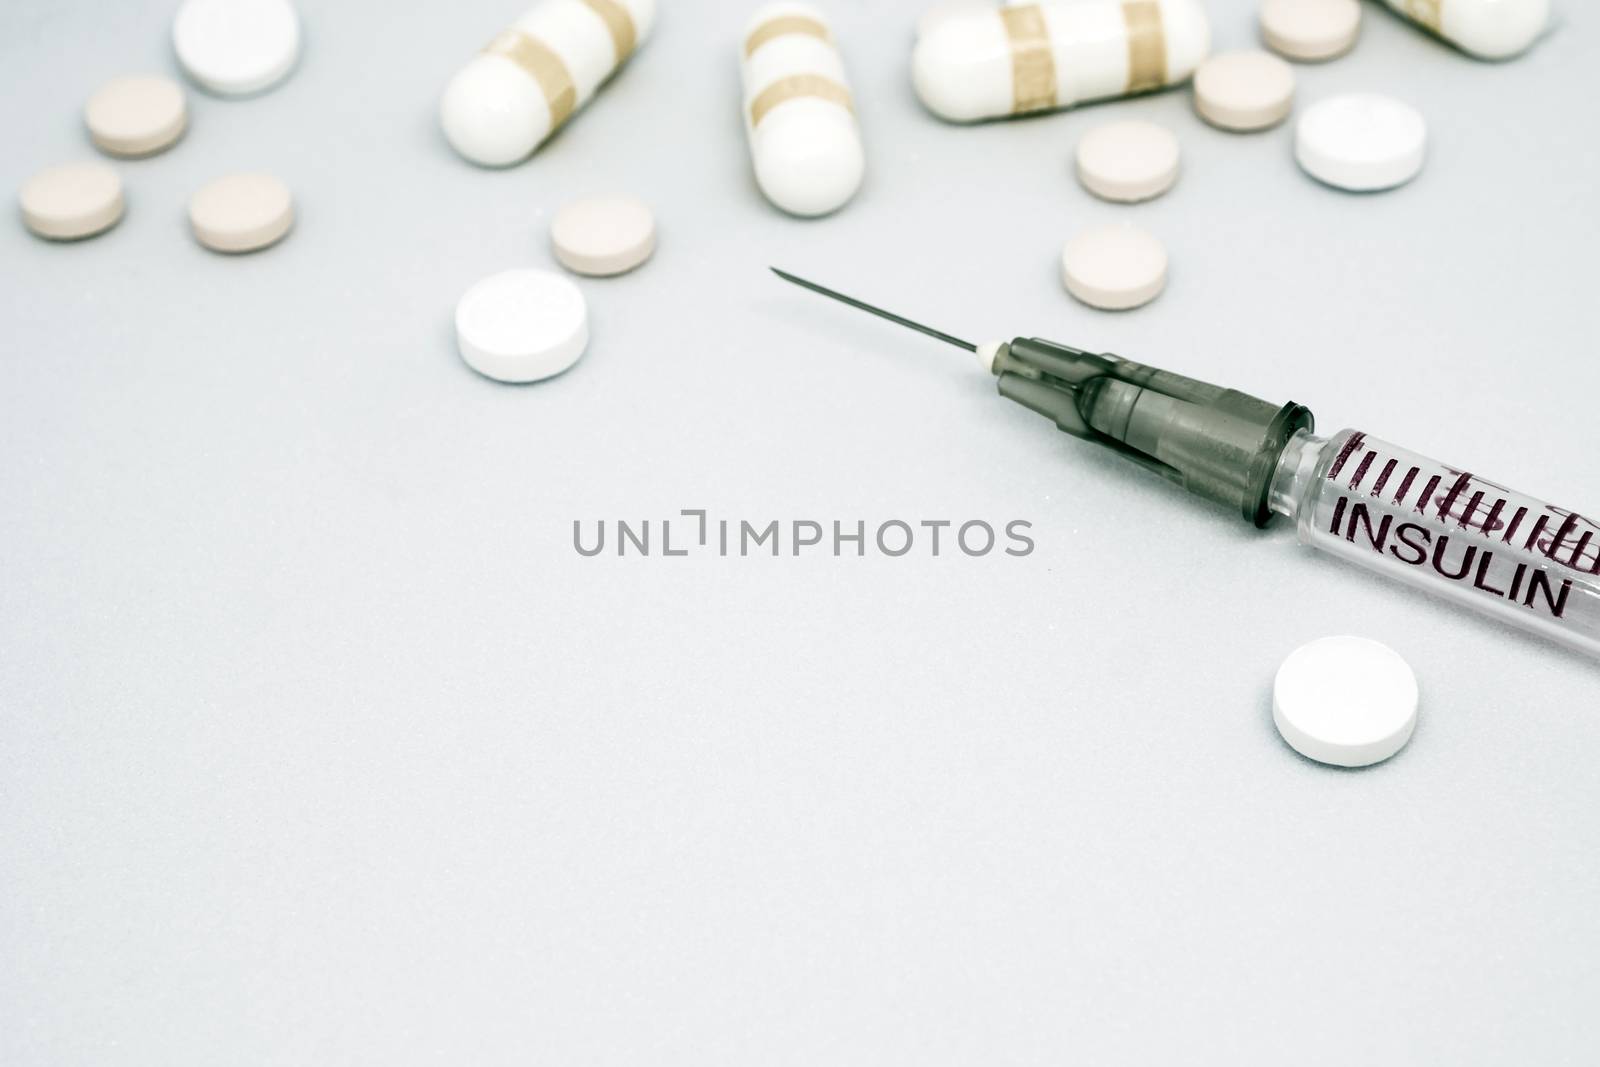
(882, 314)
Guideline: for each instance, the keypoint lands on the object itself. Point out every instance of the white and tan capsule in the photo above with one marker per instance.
(1488, 29)
(1039, 56)
(535, 74)
(804, 138)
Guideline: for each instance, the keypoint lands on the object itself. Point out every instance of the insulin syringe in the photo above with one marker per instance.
(1435, 527)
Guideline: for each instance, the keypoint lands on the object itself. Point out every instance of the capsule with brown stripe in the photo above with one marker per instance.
(1028, 57)
(804, 138)
(537, 73)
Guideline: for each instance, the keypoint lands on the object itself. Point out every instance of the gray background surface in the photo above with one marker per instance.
(319, 744)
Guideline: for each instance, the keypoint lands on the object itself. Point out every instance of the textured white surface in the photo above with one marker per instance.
(136, 115)
(319, 744)
(1115, 266)
(603, 235)
(1310, 30)
(1347, 701)
(236, 47)
(522, 325)
(241, 212)
(1244, 91)
(70, 201)
(1128, 161)
(1361, 141)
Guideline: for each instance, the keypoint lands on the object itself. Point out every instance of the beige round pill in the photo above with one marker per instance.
(1310, 30)
(241, 213)
(1244, 91)
(138, 115)
(603, 235)
(1128, 161)
(1114, 267)
(73, 200)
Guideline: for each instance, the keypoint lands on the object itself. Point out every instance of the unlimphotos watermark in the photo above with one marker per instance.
(695, 532)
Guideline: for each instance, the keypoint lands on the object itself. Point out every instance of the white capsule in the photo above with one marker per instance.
(804, 139)
(534, 75)
(1488, 29)
(1040, 56)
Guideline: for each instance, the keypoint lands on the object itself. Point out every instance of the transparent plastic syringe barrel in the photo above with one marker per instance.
(1445, 530)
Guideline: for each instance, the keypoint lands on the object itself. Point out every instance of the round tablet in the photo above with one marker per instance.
(241, 213)
(71, 201)
(1348, 701)
(522, 325)
(1128, 161)
(1114, 267)
(138, 115)
(234, 47)
(1243, 91)
(603, 235)
(1310, 30)
(1361, 141)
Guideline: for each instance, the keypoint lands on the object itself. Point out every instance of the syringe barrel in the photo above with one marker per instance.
(1447, 531)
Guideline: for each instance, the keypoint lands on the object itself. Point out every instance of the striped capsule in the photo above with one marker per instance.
(1040, 56)
(534, 75)
(804, 139)
(1488, 29)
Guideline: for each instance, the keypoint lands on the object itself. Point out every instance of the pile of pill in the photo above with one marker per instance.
(1341, 700)
(1344, 701)
(972, 60)
(227, 47)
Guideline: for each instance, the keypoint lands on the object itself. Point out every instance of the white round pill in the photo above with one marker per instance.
(522, 325)
(73, 200)
(137, 115)
(1310, 30)
(603, 235)
(241, 212)
(1114, 267)
(235, 47)
(1244, 91)
(1348, 701)
(1128, 161)
(1361, 141)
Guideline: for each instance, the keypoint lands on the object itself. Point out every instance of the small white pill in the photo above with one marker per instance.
(1114, 267)
(603, 235)
(1028, 57)
(537, 73)
(1244, 91)
(1128, 161)
(1488, 29)
(236, 47)
(241, 213)
(1310, 30)
(1348, 701)
(138, 115)
(522, 325)
(1361, 141)
(804, 140)
(71, 201)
